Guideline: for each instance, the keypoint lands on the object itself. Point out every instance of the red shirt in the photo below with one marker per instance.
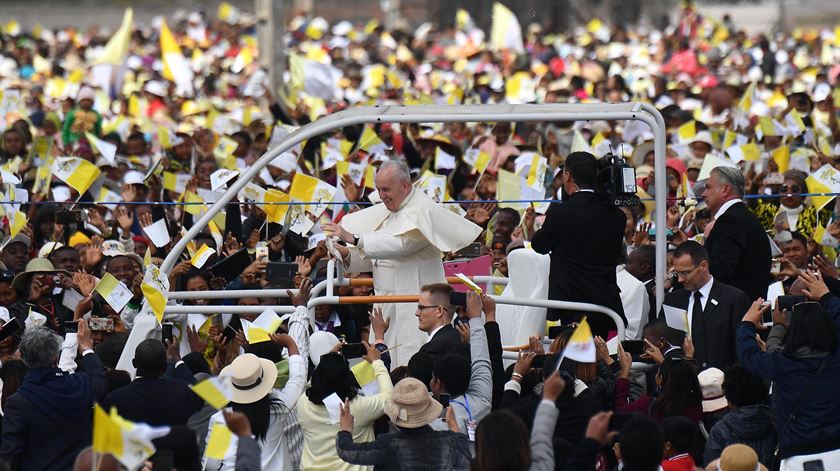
(682, 462)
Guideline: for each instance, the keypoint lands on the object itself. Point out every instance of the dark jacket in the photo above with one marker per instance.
(584, 238)
(750, 425)
(816, 427)
(407, 450)
(574, 412)
(714, 335)
(157, 401)
(739, 251)
(446, 340)
(48, 421)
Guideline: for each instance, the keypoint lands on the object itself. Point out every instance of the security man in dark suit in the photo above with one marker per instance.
(583, 235)
(714, 309)
(738, 246)
(150, 399)
(434, 316)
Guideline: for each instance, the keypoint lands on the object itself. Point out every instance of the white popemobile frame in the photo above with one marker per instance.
(429, 114)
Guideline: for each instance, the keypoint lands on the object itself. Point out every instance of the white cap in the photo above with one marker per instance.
(134, 177)
(155, 88)
(321, 343)
(49, 248)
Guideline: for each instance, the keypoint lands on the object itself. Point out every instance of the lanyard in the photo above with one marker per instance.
(465, 405)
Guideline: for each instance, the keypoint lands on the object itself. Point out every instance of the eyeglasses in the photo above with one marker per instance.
(685, 274)
(790, 189)
(420, 307)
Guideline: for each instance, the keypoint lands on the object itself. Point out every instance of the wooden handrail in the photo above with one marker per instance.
(453, 280)
(394, 298)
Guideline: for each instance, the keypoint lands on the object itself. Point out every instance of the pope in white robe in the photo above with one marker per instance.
(401, 241)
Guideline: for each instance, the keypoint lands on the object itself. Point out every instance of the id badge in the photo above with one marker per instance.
(471, 430)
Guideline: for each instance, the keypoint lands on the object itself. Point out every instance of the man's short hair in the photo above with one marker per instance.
(399, 168)
(514, 214)
(798, 236)
(658, 329)
(40, 347)
(694, 250)
(150, 358)
(732, 177)
(440, 293)
(647, 253)
(453, 370)
(583, 167)
(642, 443)
(681, 432)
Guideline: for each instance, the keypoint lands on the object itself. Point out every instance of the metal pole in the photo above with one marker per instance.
(659, 184)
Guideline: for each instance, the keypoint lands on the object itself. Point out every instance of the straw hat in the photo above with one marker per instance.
(252, 378)
(411, 406)
(737, 457)
(36, 265)
(640, 152)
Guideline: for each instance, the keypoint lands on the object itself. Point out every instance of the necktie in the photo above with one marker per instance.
(698, 326)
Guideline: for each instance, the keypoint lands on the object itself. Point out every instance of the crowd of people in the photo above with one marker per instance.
(114, 143)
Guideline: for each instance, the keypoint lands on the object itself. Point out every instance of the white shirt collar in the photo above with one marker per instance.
(333, 318)
(705, 289)
(726, 206)
(432, 333)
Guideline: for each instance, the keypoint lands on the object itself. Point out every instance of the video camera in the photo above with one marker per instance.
(615, 181)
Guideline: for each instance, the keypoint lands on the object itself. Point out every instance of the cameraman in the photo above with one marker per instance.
(583, 235)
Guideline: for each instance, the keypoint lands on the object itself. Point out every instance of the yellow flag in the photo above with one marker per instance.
(155, 288)
(215, 391)
(17, 222)
(369, 139)
(782, 158)
(76, 172)
(370, 173)
(751, 151)
(201, 256)
(687, 131)
(116, 50)
(276, 212)
(581, 345)
(746, 101)
(107, 435)
(219, 442)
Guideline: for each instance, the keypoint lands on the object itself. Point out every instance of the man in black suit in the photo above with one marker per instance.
(151, 399)
(739, 250)
(434, 316)
(714, 309)
(583, 235)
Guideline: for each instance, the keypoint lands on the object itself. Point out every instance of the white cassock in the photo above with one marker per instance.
(528, 272)
(635, 301)
(403, 250)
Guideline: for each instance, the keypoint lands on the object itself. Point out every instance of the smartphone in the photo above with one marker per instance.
(262, 251)
(69, 217)
(166, 329)
(444, 401)
(101, 324)
(353, 350)
(281, 275)
(9, 328)
(456, 298)
(471, 251)
(229, 333)
(775, 267)
(633, 347)
(539, 361)
(70, 327)
(816, 465)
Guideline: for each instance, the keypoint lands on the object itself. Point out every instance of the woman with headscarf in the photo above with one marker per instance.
(790, 211)
(333, 382)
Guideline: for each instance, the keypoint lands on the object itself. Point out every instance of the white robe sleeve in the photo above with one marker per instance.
(380, 245)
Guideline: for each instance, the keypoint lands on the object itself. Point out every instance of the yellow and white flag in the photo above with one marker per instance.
(130, 443)
(201, 256)
(16, 222)
(105, 148)
(265, 324)
(220, 442)
(748, 152)
(316, 193)
(175, 67)
(370, 142)
(477, 159)
(825, 180)
(114, 291)
(366, 377)
(505, 32)
(444, 160)
(579, 144)
(116, 50)
(228, 13)
(781, 156)
(687, 131)
(216, 391)
(581, 345)
(43, 178)
(76, 172)
(155, 288)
